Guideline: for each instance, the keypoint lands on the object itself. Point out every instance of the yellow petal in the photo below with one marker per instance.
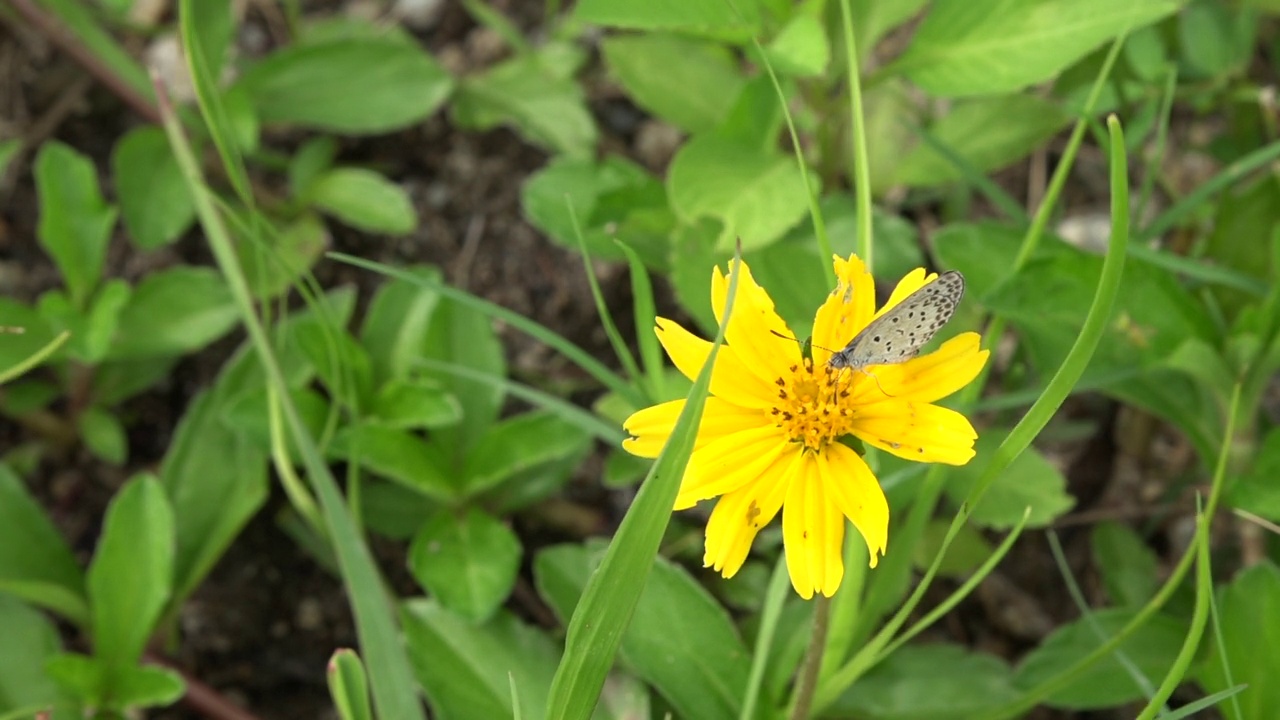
(652, 426)
(846, 311)
(933, 376)
(757, 334)
(739, 515)
(909, 283)
(854, 489)
(728, 463)
(730, 378)
(917, 431)
(812, 533)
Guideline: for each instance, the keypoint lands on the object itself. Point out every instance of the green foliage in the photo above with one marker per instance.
(465, 463)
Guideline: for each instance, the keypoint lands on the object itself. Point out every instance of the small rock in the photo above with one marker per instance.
(309, 615)
(657, 142)
(418, 14)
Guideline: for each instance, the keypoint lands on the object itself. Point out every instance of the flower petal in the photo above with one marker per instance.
(854, 489)
(847, 309)
(917, 431)
(728, 463)
(652, 426)
(757, 334)
(933, 376)
(909, 283)
(812, 533)
(740, 514)
(730, 379)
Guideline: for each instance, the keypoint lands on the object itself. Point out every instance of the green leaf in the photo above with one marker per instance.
(311, 160)
(462, 335)
(1248, 611)
(968, 549)
(364, 199)
(154, 202)
(35, 563)
(216, 480)
(395, 329)
(968, 47)
(1216, 40)
(396, 455)
(29, 640)
(694, 94)
(547, 110)
(801, 48)
(341, 363)
(36, 332)
(130, 578)
(394, 510)
(680, 639)
(414, 403)
(518, 444)
(103, 434)
(756, 195)
(1151, 649)
(99, 326)
(275, 265)
(613, 198)
(706, 16)
(1030, 481)
(75, 222)
(1128, 566)
(1257, 490)
(173, 312)
(467, 671)
(148, 686)
(78, 675)
(115, 381)
(990, 133)
(927, 682)
(364, 85)
(349, 686)
(466, 561)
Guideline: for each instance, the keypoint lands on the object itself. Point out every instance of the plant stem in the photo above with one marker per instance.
(808, 680)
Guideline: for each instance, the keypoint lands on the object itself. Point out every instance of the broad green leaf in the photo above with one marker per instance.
(756, 195)
(1030, 481)
(468, 561)
(36, 332)
(311, 160)
(395, 328)
(968, 47)
(148, 686)
(1257, 490)
(173, 312)
(29, 640)
(343, 366)
(358, 86)
(115, 381)
(396, 455)
(873, 18)
(98, 327)
(519, 444)
(216, 480)
(1243, 220)
(933, 681)
(78, 675)
(413, 403)
(988, 132)
(1249, 613)
(967, 551)
(393, 510)
(467, 671)
(1151, 649)
(755, 119)
(1129, 567)
(215, 27)
(103, 434)
(75, 222)
(130, 578)
(276, 265)
(697, 16)
(154, 202)
(462, 335)
(35, 563)
(248, 416)
(364, 199)
(547, 110)
(680, 639)
(693, 94)
(613, 199)
(1215, 39)
(801, 48)
(349, 686)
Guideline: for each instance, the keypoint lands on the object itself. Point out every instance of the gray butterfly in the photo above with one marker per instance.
(898, 335)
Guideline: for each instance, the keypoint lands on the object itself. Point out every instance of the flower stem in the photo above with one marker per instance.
(808, 680)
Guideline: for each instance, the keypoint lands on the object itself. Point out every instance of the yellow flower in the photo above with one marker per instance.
(771, 432)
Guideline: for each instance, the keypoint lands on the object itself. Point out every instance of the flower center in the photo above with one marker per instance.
(813, 405)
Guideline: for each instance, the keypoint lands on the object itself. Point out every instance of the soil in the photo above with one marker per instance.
(259, 631)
